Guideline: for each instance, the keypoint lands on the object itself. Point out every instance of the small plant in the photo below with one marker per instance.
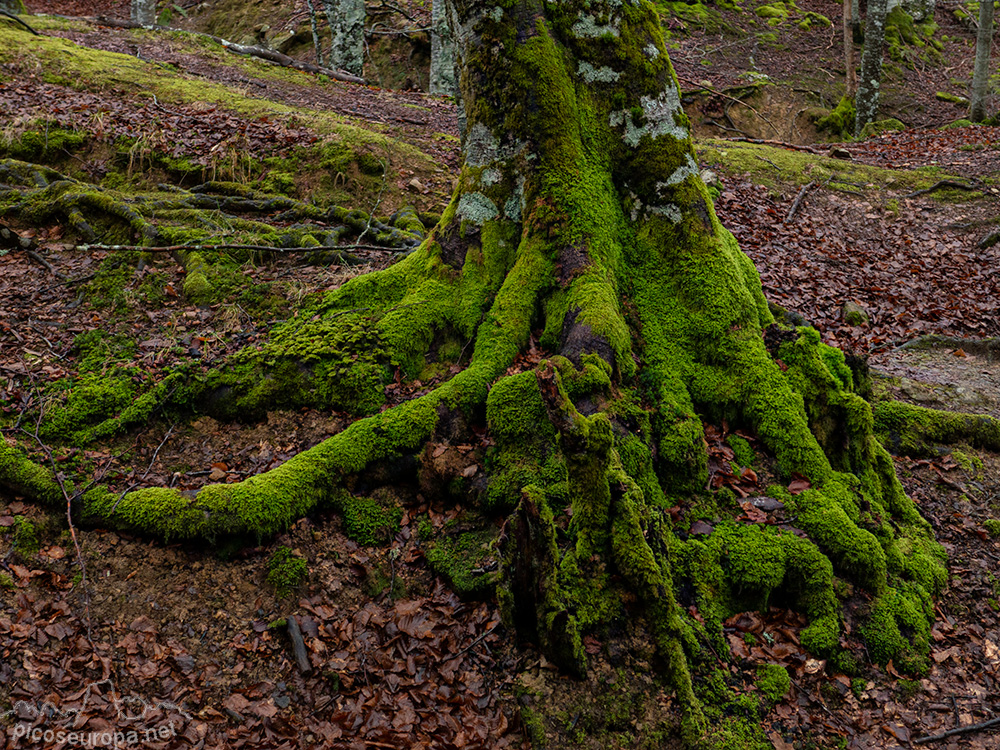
(6, 582)
(285, 571)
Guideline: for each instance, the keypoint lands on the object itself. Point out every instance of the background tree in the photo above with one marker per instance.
(442, 73)
(144, 12)
(580, 228)
(866, 103)
(851, 73)
(981, 71)
(347, 27)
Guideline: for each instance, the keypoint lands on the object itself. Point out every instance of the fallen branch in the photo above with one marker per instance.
(990, 240)
(958, 730)
(299, 645)
(243, 49)
(15, 17)
(942, 184)
(780, 144)
(48, 266)
(286, 61)
(798, 199)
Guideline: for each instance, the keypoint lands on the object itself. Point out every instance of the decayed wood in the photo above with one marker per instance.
(299, 645)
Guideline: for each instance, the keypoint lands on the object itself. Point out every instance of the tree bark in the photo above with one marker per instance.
(442, 75)
(981, 71)
(851, 75)
(144, 12)
(866, 103)
(347, 27)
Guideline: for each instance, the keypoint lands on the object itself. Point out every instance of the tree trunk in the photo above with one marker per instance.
(347, 27)
(866, 103)
(442, 76)
(851, 75)
(981, 71)
(144, 12)
(580, 228)
(856, 31)
(314, 28)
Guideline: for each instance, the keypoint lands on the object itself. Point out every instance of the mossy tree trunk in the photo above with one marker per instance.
(144, 12)
(347, 28)
(580, 226)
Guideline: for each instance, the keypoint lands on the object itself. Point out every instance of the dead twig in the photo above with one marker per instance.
(252, 248)
(798, 200)
(958, 730)
(942, 184)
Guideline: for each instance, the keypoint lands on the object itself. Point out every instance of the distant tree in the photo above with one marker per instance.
(849, 64)
(144, 12)
(981, 72)
(442, 78)
(347, 26)
(866, 102)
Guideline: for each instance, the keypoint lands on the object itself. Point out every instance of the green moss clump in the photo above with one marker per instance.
(742, 451)
(24, 535)
(464, 560)
(285, 571)
(944, 96)
(840, 122)
(880, 126)
(905, 609)
(971, 464)
(960, 123)
(46, 145)
(368, 521)
(773, 682)
(6, 582)
(992, 526)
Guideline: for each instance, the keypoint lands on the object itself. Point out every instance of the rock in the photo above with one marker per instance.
(840, 153)
(854, 314)
(416, 184)
(710, 178)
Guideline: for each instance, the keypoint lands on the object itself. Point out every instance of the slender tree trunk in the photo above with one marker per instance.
(315, 33)
(347, 27)
(866, 102)
(851, 76)
(442, 77)
(856, 22)
(144, 12)
(981, 72)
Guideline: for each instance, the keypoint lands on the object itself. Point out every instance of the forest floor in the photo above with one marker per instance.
(193, 642)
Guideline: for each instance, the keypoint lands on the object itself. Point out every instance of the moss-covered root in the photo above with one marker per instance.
(911, 430)
(24, 477)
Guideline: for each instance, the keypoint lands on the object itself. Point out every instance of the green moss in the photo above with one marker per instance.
(48, 145)
(992, 526)
(961, 123)
(874, 128)
(773, 682)
(466, 561)
(840, 122)
(916, 431)
(285, 571)
(24, 537)
(742, 451)
(971, 464)
(944, 96)
(367, 520)
(6, 582)
(905, 609)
